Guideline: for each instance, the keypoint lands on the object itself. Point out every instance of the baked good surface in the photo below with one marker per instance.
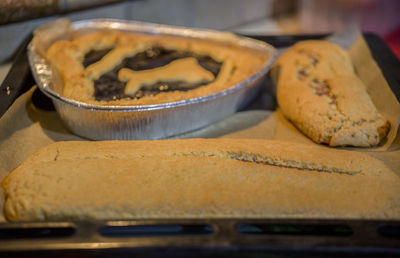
(120, 68)
(199, 178)
(319, 91)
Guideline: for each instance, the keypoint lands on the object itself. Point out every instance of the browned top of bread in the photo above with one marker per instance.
(207, 178)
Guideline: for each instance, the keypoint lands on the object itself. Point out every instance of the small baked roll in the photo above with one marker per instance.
(320, 93)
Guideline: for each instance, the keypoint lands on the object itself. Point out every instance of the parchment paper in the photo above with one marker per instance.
(25, 128)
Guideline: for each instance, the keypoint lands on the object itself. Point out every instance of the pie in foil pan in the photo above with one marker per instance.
(127, 80)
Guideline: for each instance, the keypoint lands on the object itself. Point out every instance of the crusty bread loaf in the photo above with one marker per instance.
(318, 90)
(199, 178)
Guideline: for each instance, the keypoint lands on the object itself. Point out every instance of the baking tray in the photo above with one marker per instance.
(202, 237)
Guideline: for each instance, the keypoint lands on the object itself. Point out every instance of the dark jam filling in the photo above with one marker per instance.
(108, 87)
(94, 56)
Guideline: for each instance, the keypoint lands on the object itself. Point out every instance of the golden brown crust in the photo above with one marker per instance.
(67, 57)
(199, 178)
(320, 93)
(184, 69)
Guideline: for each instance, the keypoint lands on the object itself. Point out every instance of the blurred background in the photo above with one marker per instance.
(18, 18)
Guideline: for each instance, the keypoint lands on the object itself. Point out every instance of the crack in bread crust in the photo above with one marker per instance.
(271, 161)
(256, 158)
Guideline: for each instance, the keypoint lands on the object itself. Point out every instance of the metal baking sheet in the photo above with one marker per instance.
(156, 121)
(202, 238)
(216, 237)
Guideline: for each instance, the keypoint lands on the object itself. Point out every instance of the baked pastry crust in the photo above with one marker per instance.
(199, 178)
(78, 82)
(320, 93)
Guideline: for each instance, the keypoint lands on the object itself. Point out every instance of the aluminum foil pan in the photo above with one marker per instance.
(158, 121)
